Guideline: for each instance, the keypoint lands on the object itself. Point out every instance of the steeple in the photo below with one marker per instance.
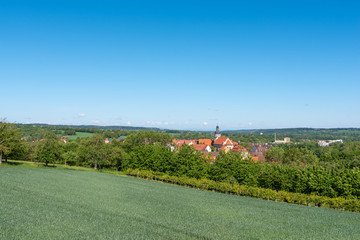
(217, 132)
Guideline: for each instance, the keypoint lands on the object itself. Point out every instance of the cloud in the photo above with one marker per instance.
(128, 123)
(250, 123)
(95, 121)
(81, 115)
(205, 123)
(166, 123)
(156, 123)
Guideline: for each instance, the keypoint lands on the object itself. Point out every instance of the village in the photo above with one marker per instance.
(212, 148)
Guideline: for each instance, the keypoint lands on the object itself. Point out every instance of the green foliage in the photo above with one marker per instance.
(92, 151)
(147, 138)
(48, 150)
(339, 203)
(10, 140)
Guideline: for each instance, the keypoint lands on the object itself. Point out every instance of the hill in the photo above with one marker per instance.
(89, 127)
(67, 204)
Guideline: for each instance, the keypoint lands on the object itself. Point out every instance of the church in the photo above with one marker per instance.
(222, 143)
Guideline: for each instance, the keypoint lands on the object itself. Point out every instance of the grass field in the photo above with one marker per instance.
(79, 135)
(44, 203)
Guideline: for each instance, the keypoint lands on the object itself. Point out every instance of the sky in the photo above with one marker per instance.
(181, 64)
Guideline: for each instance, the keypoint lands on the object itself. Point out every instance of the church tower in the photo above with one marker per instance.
(217, 132)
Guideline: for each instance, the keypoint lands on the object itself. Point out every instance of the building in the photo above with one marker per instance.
(203, 148)
(325, 143)
(258, 151)
(205, 141)
(239, 149)
(286, 140)
(223, 142)
(217, 133)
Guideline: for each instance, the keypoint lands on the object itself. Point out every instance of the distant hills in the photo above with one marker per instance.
(93, 127)
(281, 131)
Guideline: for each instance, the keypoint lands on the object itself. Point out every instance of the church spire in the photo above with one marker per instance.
(217, 132)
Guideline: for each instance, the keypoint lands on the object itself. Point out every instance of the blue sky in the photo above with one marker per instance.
(181, 64)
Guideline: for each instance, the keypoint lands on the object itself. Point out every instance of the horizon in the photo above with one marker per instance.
(169, 129)
(183, 65)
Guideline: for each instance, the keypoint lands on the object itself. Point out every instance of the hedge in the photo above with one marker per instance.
(338, 203)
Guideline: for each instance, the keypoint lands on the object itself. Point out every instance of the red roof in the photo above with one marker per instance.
(179, 142)
(188, 142)
(205, 141)
(239, 148)
(228, 142)
(223, 141)
(220, 140)
(200, 147)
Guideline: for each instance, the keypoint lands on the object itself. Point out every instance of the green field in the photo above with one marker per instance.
(79, 135)
(44, 203)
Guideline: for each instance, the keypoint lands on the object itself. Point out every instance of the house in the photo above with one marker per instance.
(205, 141)
(223, 141)
(225, 149)
(64, 140)
(180, 142)
(202, 148)
(107, 140)
(241, 150)
(259, 150)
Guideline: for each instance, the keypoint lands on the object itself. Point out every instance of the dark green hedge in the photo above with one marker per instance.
(338, 203)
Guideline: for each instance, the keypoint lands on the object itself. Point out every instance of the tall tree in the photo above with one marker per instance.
(92, 151)
(48, 150)
(9, 137)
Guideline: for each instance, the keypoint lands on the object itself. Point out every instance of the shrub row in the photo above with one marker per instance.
(339, 203)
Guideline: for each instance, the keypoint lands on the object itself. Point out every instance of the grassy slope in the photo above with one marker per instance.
(38, 203)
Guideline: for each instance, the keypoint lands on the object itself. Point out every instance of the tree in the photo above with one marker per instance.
(147, 138)
(9, 138)
(92, 151)
(47, 150)
(117, 156)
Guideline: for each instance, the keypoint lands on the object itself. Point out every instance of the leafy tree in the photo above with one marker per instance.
(275, 154)
(48, 150)
(117, 156)
(92, 151)
(147, 137)
(9, 138)
(69, 152)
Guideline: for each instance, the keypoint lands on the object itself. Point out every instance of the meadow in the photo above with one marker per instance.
(48, 203)
(79, 135)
